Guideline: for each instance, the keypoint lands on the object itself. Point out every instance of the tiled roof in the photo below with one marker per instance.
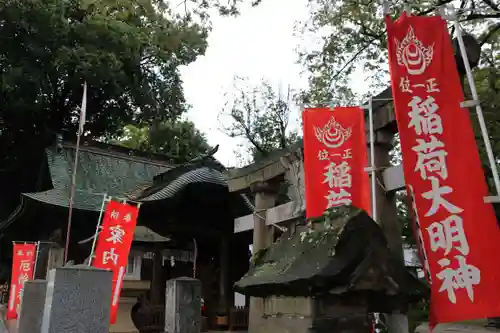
(120, 175)
(98, 172)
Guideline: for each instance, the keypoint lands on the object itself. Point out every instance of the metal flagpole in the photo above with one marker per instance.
(75, 165)
(94, 242)
(372, 167)
(372, 159)
(195, 256)
(479, 110)
(36, 259)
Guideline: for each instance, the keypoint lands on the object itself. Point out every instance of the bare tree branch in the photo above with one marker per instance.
(476, 16)
(492, 5)
(376, 37)
(260, 116)
(490, 34)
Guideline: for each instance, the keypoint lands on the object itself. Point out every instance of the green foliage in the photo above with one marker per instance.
(418, 313)
(259, 115)
(487, 79)
(351, 33)
(127, 51)
(179, 139)
(203, 8)
(405, 217)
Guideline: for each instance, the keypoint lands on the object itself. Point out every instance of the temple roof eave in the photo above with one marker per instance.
(92, 201)
(116, 174)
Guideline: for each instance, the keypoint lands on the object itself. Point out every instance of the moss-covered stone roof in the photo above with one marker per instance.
(347, 252)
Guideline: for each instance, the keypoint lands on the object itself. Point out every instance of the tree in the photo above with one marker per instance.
(260, 116)
(487, 79)
(179, 139)
(127, 51)
(202, 8)
(352, 33)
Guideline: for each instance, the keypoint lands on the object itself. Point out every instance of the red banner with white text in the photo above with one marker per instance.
(113, 245)
(457, 231)
(335, 158)
(23, 262)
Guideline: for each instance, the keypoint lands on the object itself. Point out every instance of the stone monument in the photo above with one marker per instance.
(183, 306)
(32, 303)
(78, 300)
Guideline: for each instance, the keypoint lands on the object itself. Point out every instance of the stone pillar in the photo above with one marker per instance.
(78, 300)
(32, 304)
(42, 257)
(55, 259)
(387, 216)
(265, 198)
(183, 306)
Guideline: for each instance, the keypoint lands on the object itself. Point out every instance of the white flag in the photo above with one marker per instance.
(83, 110)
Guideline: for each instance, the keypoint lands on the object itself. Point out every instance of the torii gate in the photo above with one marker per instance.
(262, 178)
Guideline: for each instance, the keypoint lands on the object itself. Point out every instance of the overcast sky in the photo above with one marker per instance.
(258, 44)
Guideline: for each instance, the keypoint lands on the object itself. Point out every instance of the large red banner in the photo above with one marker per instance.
(23, 262)
(335, 158)
(113, 245)
(457, 231)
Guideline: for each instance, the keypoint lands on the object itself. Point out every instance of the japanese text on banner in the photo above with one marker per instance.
(113, 245)
(23, 263)
(335, 158)
(438, 151)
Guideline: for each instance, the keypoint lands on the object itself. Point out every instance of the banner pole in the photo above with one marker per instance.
(479, 110)
(81, 123)
(71, 199)
(97, 229)
(372, 159)
(195, 256)
(36, 259)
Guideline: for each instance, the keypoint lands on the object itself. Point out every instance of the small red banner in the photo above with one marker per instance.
(23, 262)
(113, 245)
(457, 231)
(335, 158)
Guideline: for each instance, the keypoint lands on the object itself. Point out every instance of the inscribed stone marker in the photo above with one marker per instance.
(32, 304)
(78, 300)
(183, 306)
